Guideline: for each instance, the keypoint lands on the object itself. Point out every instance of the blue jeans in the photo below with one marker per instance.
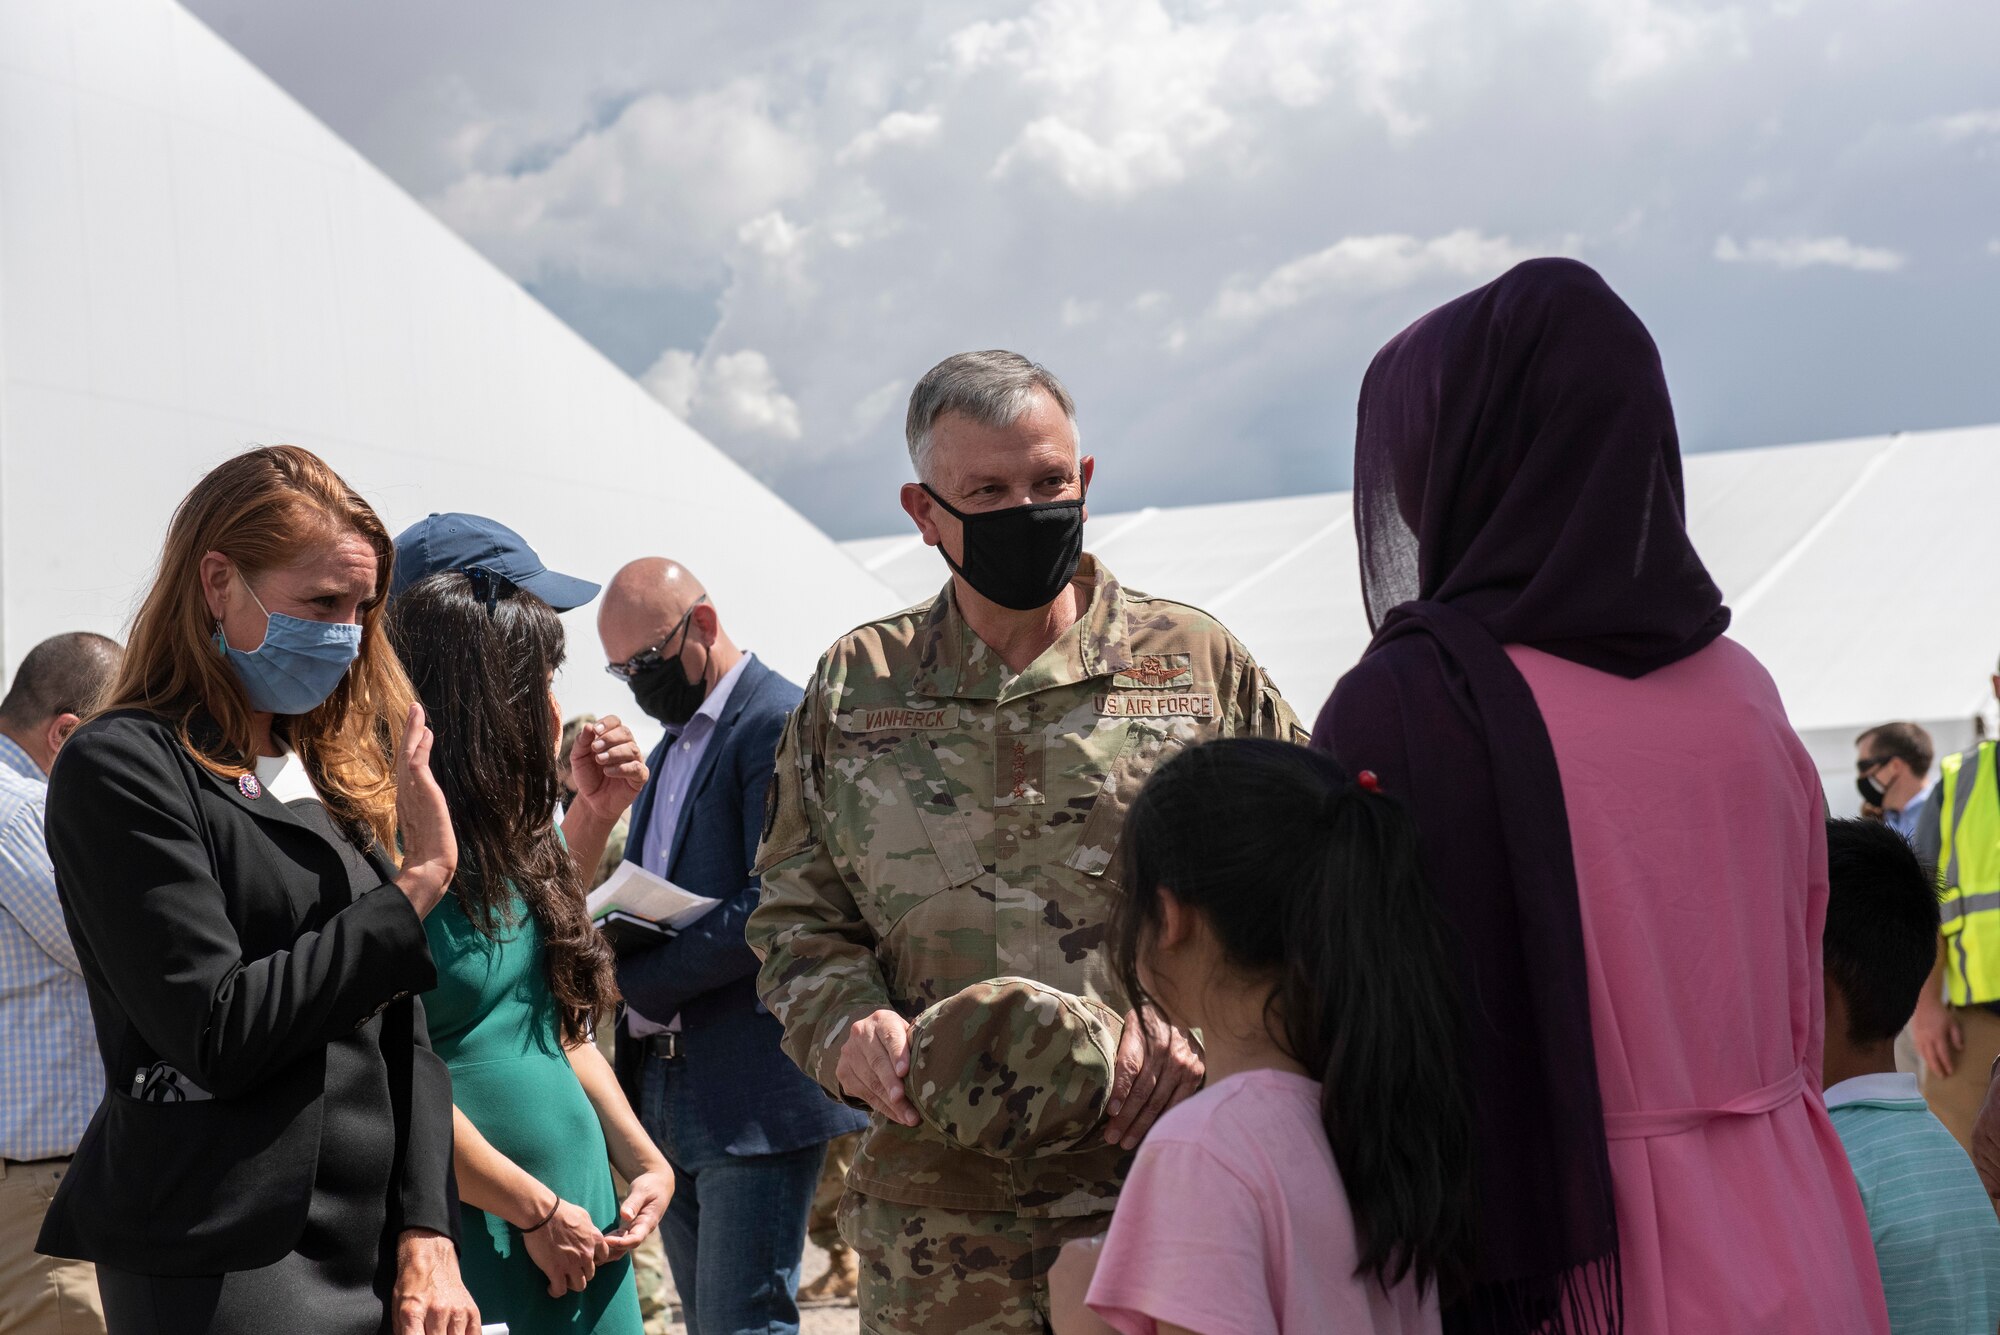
(737, 1224)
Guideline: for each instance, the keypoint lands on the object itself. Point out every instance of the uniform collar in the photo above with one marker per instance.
(954, 663)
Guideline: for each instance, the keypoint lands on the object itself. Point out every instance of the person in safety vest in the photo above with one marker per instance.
(1957, 1025)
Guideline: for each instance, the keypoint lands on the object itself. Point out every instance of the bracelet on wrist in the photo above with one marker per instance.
(545, 1218)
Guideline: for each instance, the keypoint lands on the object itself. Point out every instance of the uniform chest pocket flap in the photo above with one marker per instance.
(1147, 746)
(906, 833)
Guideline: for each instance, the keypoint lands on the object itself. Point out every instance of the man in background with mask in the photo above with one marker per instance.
(947, 810)
(1892, 766)
(698, 1057)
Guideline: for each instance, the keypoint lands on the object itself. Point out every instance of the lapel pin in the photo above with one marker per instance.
(247, 785)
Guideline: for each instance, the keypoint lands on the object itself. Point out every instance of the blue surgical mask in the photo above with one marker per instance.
(298, 664)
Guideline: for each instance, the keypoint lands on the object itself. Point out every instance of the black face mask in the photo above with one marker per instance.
(663, 690)
(1872, 790)
(1022, 557)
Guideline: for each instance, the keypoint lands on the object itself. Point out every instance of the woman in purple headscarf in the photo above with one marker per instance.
(1621, 827)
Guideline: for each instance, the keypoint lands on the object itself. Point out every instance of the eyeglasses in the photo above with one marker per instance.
(1871, 764)
(654, 654)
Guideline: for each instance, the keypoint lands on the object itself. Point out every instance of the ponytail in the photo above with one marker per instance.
(1368, 1003)
(1317, 883)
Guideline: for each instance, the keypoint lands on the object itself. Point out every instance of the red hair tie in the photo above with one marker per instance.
(1369, 783)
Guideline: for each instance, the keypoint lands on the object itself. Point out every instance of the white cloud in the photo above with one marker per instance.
(895, 129)
(741, 393)
(737, 392)
(648, 198)
(1076, 312)
(672, 380)
(1965, 125)
(1643, 39)
(1129, 91)
(1805, 252)
(1132, 93)
(872, 409)
(1367, 264)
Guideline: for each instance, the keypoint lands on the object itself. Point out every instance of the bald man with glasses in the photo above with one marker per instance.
(699, 1058)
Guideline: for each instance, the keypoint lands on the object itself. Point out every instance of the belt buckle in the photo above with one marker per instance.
(667, 1046)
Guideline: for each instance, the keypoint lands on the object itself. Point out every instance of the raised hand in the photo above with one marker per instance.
(430, 849)
(607, 768)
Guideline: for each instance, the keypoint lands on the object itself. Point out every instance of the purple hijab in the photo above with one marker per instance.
(1517, 481)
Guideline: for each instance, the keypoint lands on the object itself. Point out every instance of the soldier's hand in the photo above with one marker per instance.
(874, 1058)
(1156, 1068)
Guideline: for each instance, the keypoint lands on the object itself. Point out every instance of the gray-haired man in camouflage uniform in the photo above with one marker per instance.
(946, 810)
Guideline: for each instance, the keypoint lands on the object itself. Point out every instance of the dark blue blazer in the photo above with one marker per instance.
(749, 1095)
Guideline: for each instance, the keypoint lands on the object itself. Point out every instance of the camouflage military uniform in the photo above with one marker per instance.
(934, 822)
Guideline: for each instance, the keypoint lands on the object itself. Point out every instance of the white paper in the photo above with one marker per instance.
(644, 895)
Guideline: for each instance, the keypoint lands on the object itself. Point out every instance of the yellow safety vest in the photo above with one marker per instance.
(1968, 798)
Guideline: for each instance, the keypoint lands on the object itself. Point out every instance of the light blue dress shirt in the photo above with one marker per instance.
(1904, 822)
(51, 1079)
(678, 767)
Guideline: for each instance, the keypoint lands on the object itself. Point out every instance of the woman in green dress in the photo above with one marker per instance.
(522, 975)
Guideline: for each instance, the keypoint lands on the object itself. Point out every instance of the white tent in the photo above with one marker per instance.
(190, 263)
(1858, 571)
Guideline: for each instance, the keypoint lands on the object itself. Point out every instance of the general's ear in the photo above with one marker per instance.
(919, 506)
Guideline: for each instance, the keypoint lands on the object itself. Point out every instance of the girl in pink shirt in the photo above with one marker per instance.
(1321, 1181)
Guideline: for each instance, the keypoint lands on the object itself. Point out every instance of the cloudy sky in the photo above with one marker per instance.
(1204, 215)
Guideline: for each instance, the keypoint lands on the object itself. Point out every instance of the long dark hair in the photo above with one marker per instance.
(480, 654)
(1315, 883)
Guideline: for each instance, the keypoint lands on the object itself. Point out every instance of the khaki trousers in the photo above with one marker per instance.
(1956, 1098)
(823, 1221)
(38, 1294)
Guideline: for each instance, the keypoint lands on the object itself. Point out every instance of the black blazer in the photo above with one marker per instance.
(747, 1094)
(230, 939)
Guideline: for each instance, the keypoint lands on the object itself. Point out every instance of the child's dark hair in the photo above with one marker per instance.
(1306, 877)
(1881, 926)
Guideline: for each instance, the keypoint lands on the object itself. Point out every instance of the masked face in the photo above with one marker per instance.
(298, 664)
(662, 689)
(1021, 557)
(1873, 783)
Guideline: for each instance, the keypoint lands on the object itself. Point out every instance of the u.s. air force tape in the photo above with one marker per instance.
(1156, 704)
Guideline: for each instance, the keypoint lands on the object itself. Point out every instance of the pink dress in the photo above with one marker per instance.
(1701, 868)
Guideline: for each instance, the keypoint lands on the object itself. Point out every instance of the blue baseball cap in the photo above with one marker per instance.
(472, 542)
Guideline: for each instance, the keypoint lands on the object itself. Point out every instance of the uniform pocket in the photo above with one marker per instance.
(1147, 746)
(903, 833)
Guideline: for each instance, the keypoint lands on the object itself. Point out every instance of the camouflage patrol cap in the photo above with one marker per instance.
(1013, 1068)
